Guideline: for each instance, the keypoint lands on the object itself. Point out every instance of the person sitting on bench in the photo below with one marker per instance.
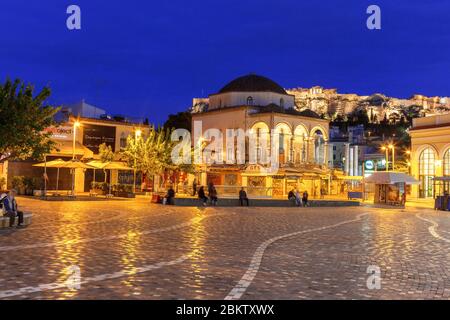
(243, 197)
(10, 208)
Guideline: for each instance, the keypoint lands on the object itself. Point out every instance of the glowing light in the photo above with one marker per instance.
(138, 133)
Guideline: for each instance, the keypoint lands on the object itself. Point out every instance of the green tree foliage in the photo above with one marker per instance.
(105, 152)
(181, 120)
(152, 153)
(23, 117)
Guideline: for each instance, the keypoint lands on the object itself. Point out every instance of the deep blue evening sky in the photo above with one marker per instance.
(150, 58)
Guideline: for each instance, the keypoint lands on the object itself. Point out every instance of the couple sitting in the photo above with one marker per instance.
(8, 205)
(299, 201)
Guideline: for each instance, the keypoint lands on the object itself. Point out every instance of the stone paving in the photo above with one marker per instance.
(132, 249)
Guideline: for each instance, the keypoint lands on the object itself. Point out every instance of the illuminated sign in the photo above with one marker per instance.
(94, 135)
(369, 165)
(60, 133)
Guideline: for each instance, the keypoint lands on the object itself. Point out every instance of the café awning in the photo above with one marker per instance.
(384, 177)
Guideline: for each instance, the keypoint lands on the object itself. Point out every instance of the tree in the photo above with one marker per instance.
(105, 152)
(153, 154)
(23, 118)
(181, 120)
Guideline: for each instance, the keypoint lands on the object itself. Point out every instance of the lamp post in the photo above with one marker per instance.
(137, 134)
(408, 152)
(387, 157)
(392, 147)
(76, 124)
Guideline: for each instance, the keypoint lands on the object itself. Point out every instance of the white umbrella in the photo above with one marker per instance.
(111, 165)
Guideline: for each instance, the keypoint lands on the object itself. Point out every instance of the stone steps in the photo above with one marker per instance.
(4, 221)
(227, 202)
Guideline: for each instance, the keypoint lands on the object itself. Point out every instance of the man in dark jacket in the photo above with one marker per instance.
(243, 197)
(170, 196)
(10, 208)
(202, 196)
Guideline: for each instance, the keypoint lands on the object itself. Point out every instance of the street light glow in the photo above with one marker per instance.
(138, 133)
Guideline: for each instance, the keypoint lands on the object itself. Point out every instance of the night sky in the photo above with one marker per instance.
(150, 58)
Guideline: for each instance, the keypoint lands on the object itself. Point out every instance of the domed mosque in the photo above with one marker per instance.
(258, 104)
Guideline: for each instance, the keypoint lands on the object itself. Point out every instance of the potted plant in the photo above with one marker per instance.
(97, 187)
(17, 183)
(29, 185)
(123, 190)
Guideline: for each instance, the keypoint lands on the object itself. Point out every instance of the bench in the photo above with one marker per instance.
(4, 221)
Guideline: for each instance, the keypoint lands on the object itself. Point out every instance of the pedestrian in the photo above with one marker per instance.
(291, 196)
(298, 200)
(243, 197)
(10, 208)
(213, 195)
(194, 187)
(170, 196)
(305, 198)
(202, 196)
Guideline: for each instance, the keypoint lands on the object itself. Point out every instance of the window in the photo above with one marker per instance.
(282, 102)
(426, 172)
(123, 141)
(446, 163)
(249, 101)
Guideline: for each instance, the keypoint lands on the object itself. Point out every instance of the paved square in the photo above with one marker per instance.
(132, 249)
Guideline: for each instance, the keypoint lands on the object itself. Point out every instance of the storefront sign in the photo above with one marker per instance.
(95, 135)
(60, 133)
(369, 165)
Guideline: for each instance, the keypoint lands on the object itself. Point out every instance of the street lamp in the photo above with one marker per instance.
(392, 147)
(137, 135)
(408, 152)
(76, 124)
(387, 157)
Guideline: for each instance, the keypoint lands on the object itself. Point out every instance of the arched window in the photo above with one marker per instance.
(426, 172)
(282, 102)
(319, 147)
(447, 163)
(249, 101)
(281, 140)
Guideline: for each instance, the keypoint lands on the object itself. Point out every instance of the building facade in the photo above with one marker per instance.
(257, 104)
(90, 133)
(430, 152)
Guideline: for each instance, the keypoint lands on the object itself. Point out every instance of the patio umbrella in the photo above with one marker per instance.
(111, 165)
(58, 163)
(75, 164)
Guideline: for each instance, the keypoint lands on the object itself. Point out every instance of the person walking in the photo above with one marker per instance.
(305, 198)
(10, 208)
(213, 195)
(202, 196)
(243, 197)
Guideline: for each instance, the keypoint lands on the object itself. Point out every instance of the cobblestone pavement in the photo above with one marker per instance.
(132, 249)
